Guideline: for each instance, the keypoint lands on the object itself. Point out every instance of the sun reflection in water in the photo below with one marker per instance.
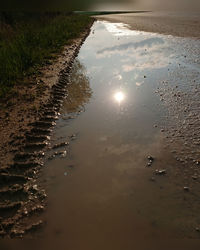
(119, 96)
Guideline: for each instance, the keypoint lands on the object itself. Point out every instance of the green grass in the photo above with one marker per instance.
(27, 41)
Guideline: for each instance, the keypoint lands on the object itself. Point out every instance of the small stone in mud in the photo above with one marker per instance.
(160, 172)
(64, 153)
(149, 164)
(35, 187)
(152, 179)
(65, 173)
(194, 177)
(150, 158)
(197, 229)
(186, 189)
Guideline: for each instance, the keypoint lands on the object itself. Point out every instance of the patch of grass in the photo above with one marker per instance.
(27, 41)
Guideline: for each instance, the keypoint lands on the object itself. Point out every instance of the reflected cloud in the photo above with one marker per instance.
(128, 68)
(148, 43)
(156, 60)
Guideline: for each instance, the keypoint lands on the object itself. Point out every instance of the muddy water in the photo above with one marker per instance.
(103, 191)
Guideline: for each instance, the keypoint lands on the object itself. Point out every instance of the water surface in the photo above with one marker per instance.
(101, 192)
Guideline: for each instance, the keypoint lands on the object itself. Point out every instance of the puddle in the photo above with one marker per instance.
(103, 194)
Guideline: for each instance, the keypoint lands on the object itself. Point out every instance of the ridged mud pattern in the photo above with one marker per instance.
(22, 200)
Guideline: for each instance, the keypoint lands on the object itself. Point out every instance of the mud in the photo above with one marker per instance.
(26, 126)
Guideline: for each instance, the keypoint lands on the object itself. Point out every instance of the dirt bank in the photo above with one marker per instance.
(26, 121)
(169, 23)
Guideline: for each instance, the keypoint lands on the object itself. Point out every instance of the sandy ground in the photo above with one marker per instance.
(177, 24)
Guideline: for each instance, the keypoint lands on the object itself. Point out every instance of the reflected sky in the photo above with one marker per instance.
(120, 29)
(118, 59)
(108, 186)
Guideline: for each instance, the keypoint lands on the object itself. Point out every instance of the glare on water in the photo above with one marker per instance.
(119, 96)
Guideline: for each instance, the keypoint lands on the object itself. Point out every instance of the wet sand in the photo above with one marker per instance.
(170, 23)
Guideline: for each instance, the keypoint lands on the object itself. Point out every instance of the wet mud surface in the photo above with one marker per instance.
(22, 197)
(122, 161)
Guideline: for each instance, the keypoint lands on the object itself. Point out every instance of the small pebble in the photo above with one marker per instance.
(160, 172)
(150, 158)
(194, 177)
(186, 188)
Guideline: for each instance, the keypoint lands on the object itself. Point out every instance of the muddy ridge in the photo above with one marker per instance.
(26, 123)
